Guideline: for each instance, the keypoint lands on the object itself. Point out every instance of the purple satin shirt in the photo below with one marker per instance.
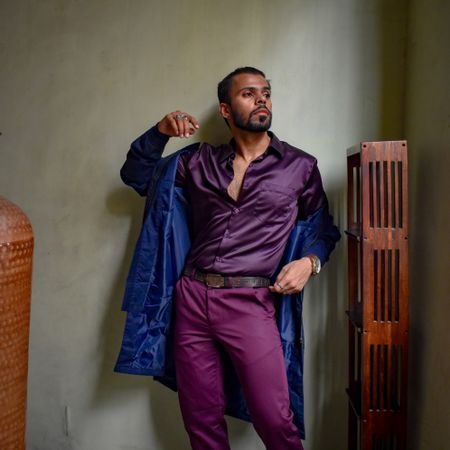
(248, 236)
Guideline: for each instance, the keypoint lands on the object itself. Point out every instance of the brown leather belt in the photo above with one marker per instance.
(215, 280)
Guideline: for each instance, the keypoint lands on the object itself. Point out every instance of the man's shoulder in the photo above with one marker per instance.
(297, 153)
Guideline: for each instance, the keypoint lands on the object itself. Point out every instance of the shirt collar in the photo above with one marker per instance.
(275, 144)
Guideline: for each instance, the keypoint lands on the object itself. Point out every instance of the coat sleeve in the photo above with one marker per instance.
(314, 215)
(142, 157)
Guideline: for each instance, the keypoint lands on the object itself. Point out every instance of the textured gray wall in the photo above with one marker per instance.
(81, 79)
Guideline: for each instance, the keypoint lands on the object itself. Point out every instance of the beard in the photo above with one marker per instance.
(255, 122)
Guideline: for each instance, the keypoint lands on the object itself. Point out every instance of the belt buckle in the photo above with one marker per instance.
(214, 280)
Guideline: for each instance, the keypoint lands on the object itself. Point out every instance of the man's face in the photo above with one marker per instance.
(250, 107)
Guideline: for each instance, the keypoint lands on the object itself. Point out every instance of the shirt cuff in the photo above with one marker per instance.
(317, 249)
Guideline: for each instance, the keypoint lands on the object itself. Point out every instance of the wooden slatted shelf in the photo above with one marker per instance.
(377, 221)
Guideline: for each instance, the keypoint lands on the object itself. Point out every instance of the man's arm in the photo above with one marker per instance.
(313, 208)
(147, 149)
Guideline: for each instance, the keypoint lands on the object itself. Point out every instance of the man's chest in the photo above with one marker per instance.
(240, 167)
(264, 188)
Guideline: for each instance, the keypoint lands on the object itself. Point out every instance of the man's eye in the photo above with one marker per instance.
(267, 94)
(247, 94)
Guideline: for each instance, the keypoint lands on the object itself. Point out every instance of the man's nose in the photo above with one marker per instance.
(261, 99)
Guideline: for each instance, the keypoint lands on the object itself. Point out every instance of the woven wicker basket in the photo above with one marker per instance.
(16, 251)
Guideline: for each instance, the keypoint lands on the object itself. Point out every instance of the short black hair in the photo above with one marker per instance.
(223, 88)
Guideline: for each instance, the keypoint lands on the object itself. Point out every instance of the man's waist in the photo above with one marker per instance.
(216, 280)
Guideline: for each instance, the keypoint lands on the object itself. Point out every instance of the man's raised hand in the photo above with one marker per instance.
(178, 123)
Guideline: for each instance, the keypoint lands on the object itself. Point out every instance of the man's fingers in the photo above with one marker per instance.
(281, 278)
(275, 289)
(282, 283)
(191, 125)
(285, 290)
(287, 285)
(294, 290)
(294, 276)
(193, 121)
(178, 123)
(291, 279)
(173, 125)
(187, 124)
(280, 286)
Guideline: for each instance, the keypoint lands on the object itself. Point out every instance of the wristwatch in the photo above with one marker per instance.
(315, 263)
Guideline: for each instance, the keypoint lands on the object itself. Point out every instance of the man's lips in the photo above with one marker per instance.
(264, 111)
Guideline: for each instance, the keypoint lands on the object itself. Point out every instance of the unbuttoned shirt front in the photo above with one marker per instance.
(247, 237)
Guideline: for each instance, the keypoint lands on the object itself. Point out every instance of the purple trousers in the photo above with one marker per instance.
(242, 322)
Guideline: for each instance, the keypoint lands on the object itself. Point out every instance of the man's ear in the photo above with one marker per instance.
(224, 110)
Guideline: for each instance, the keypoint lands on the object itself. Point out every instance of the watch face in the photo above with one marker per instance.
(318, 265)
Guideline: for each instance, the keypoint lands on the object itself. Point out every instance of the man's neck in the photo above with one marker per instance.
(250, 145)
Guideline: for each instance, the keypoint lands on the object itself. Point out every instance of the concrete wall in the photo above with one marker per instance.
(79, 80)
(428, 133)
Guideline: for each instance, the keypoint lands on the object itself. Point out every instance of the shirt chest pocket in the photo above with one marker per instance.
(274, 203)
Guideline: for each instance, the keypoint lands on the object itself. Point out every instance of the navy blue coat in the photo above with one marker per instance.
(161, 250)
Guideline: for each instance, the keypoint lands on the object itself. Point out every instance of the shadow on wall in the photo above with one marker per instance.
(420, 288)
(429, 288)
(325, 343)
(212, 128)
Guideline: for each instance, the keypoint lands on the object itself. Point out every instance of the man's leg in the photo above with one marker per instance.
(198, 369)
(244, 320)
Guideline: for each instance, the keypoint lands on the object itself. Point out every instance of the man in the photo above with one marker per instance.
(244, 201)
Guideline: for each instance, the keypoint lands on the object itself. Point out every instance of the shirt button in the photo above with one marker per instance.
(235, 210)
(219, 259)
